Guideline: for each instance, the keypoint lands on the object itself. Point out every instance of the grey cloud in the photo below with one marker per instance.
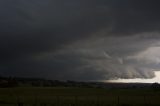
(78, 39)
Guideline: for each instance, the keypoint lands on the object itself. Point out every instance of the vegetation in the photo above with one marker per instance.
(72, 96)
(41, 92)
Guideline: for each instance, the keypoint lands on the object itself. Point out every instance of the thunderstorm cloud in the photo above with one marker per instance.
(80, 39)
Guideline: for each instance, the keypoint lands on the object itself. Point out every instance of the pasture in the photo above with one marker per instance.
(63, 96)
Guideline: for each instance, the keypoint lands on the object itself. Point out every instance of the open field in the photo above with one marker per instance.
(78, 97)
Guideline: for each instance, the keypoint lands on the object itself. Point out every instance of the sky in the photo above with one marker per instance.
(156, 79)
(80, 39)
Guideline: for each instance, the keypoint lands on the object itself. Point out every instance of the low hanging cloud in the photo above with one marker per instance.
(79, 39)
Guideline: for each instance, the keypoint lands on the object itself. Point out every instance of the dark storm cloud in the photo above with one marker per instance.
(132, 16)
(34, 26)
(78, 39)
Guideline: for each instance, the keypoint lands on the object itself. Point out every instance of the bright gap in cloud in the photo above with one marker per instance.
(139, 80)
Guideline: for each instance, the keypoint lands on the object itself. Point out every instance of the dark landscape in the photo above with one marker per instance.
(79, 52)
(41, 92)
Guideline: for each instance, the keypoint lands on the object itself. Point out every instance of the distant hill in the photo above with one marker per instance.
(40, 82)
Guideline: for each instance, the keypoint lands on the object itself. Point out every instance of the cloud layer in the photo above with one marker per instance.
(79, 39)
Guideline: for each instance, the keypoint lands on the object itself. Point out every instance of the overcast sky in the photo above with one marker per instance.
(80, 39)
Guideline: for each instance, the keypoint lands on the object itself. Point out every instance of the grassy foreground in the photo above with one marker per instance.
(78, 97)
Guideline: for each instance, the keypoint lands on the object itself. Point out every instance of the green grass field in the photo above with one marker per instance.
(78, 97)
